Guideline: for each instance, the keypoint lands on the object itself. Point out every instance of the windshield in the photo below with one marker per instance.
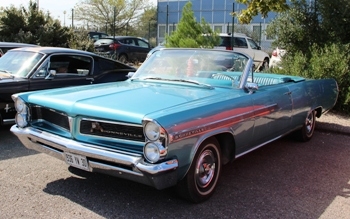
(19, 63)
(210, 67)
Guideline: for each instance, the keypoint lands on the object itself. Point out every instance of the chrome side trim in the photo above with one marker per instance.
(8, 121)
(191, 131)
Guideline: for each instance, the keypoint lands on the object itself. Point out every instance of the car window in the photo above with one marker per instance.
(104, 41)
(130, 42)
(253, 44)
(142, 43)
(103, 65)
(19, 63)
(240, 42)
(71, 64)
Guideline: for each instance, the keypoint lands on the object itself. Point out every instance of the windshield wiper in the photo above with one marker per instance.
(180, 80)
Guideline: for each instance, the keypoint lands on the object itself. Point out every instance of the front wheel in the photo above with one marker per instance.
(307, 131)
(200, 181)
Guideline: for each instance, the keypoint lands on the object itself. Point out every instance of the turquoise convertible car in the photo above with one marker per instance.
(181, 116)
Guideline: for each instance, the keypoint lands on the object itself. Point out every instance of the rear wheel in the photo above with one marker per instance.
(123, 58)
(200, 181)
(307, 131)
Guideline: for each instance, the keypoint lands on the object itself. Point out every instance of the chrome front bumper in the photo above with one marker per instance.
(112, 162)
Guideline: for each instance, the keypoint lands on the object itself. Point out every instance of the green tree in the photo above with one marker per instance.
(118, 15)
(304, 25)
(263, 7)
(30, 25)
(191, 34)
(146, 25)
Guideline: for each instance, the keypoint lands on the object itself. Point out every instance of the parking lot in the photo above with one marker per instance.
(285, 179)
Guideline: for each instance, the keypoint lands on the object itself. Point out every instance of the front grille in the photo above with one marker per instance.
(112, 130)
(51, 116)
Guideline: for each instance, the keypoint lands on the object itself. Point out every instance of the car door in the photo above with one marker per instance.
(142, 49)
(47, 76)
(273, 112)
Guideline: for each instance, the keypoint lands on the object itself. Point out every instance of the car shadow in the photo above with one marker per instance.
(285, 179)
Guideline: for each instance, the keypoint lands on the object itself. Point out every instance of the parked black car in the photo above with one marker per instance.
(5, 46)
(123, 48)
(37, 68)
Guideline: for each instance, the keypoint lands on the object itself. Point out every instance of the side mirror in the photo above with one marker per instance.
(130, 74)
(51, 73)
(251, 87)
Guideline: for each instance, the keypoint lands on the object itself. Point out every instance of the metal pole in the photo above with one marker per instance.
(114, 21)
(72, 18)
(167, 18)
(233, 26)
(260, 35)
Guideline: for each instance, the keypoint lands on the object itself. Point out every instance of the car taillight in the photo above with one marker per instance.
(228, 47)
(114, 46)
(274, 53)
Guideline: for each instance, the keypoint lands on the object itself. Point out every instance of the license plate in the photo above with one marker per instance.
(77, 161)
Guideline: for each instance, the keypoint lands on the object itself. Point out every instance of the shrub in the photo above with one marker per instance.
(331, 61)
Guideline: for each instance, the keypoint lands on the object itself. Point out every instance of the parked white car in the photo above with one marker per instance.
(244, 44)
(276, 57)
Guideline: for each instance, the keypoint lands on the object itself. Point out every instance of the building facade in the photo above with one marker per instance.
(217, 13)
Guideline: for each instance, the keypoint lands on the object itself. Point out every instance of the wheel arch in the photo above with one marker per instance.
(226, 143)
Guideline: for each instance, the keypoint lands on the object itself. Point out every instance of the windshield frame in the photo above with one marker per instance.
(172, 64)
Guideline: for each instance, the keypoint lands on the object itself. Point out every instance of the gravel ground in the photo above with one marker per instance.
(334, 122)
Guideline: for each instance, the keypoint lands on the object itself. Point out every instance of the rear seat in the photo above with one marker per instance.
(270, 80)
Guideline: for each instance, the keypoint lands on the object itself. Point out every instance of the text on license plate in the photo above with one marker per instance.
(77, 161)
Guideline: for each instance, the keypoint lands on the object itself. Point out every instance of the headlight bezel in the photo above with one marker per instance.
(156, 139)
(152, 131)
(22, 109)
(20, 105)
(154, 151)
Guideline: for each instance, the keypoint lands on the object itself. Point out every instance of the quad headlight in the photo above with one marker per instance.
(21, 120)
(20, 105)
(154, 151)
(152, 131)
(155, 148)
(22, 111)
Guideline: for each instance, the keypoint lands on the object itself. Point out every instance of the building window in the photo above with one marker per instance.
(256, 30)
(161, 31)
(218, 28)
(172, 28)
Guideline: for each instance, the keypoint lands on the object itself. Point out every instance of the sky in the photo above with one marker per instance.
(56, 8)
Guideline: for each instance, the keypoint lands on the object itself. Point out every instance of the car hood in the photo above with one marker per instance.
(124, 101)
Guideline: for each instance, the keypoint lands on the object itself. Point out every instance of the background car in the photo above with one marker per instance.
(276, 57)
(5, 46)
(94, 35)
(123, 48)
(243, 43)
(182, 115)
(37, 68)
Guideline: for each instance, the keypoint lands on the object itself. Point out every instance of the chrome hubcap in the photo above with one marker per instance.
(205, 169)
(309, 123)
